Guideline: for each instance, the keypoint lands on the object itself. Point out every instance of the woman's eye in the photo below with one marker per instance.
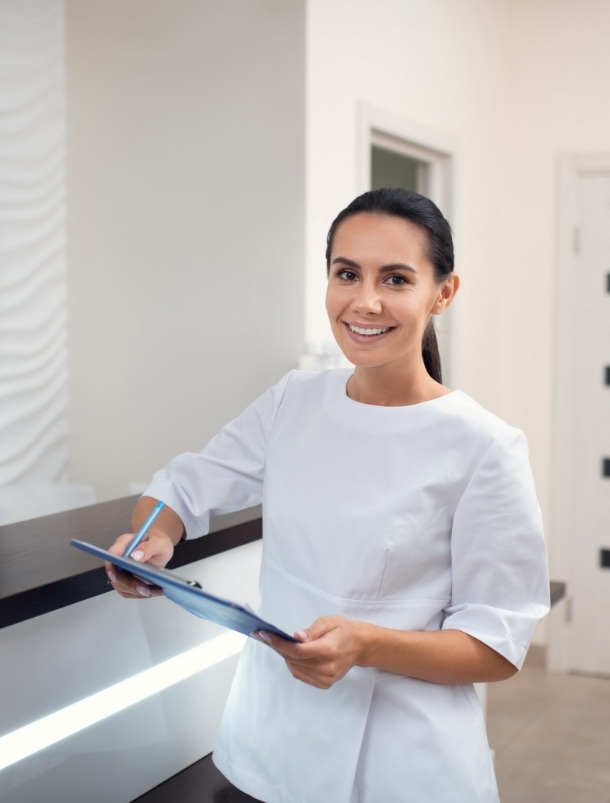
(347, 275)
(396, 280)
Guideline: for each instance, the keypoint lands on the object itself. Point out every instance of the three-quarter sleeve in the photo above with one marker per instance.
(500, 583)
(227, 474)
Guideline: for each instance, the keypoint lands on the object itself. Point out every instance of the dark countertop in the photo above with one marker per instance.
(40, 572)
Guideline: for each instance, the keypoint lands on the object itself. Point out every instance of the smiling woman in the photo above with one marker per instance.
(380, 301)
(402, 541)
(404, 268)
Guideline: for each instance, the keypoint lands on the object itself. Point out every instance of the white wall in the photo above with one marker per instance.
(33, 356)
(185, 222)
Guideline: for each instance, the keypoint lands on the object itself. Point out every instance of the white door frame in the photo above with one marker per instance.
(437, 149)
(572, 167)
(439, 152)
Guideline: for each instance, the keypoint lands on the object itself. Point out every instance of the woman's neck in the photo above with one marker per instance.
(383, 388)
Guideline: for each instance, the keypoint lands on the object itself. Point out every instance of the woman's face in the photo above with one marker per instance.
(382, 290)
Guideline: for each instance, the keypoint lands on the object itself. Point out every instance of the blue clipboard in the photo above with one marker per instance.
(188, 594)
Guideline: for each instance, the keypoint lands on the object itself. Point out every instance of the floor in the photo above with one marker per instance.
(551, 735)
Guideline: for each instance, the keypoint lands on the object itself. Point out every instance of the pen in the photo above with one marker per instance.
(143, 529)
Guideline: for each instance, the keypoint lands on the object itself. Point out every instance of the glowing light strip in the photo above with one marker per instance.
(44, 732)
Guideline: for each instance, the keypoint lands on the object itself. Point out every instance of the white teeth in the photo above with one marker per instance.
(360, 331)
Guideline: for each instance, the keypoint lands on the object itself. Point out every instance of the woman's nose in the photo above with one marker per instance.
(366, 299)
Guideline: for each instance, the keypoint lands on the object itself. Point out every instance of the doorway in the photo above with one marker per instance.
(580, 640)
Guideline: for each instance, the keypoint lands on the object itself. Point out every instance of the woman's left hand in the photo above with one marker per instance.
(325, 652)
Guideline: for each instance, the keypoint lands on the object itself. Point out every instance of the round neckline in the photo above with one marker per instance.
(348, 373)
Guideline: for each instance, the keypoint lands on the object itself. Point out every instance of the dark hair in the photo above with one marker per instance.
(416, 208)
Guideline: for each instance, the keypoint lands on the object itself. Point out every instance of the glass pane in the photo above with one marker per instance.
(391, 169)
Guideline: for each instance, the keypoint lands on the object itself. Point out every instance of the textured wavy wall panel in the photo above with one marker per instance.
(33, 373)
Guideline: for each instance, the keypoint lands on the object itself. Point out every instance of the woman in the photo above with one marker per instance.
(402, 541)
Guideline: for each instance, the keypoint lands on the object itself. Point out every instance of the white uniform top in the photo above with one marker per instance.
(421, 517)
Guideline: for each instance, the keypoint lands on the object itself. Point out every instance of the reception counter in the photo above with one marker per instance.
(103, 699)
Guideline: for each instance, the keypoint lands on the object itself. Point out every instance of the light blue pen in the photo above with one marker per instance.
(135, 541)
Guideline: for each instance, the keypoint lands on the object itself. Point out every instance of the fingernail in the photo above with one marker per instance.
(137, 555)
(301, 635)
(264, 636)
(112, 577)
(143, 591)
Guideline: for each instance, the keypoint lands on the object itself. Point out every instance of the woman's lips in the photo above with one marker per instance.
(366, 332)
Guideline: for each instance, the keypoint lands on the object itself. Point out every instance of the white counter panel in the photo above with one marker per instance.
(64, 656)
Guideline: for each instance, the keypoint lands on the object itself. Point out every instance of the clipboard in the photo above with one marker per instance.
(188, 594)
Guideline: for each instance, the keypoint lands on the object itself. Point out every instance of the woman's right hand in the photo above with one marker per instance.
(156, 548)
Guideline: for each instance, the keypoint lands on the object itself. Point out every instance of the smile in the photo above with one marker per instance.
(369, 331)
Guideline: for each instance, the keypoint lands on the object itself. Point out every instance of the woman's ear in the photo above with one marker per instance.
(446, 294)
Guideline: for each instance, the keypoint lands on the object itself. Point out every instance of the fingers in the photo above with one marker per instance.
(314, 673)
(315, 679)
(129, 586)
(156, 549)
(321, 657)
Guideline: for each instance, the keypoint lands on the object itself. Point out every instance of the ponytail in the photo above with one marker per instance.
(431, 353)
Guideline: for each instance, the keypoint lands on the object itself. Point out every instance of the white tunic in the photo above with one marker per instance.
(421, 517)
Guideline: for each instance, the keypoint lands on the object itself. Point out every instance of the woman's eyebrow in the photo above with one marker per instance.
(396, 266)
(345, 261)
(350, 263)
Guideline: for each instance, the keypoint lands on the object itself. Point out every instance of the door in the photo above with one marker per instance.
(589, 580)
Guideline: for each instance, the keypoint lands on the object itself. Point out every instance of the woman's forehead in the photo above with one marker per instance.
(377, 234)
